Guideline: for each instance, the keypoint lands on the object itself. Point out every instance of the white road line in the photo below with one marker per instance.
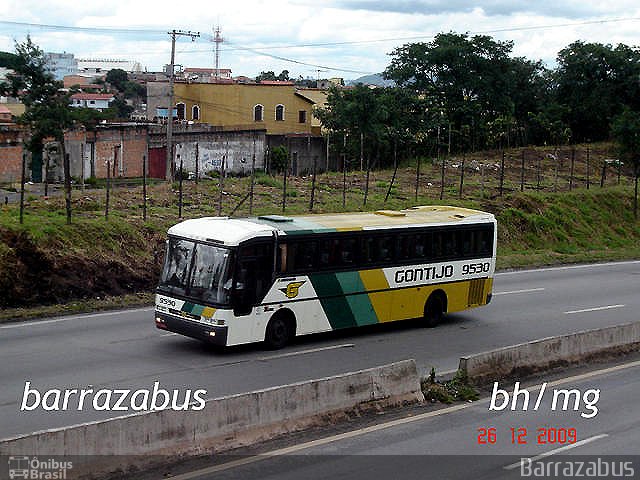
(557, 450)
(528, 290)
(392, 423)
(304, 352)
(74, 317)
(594, 309)
(569, 267)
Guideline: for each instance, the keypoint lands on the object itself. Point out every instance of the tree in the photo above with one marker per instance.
(626, 131)
(470, 81)
(358, 112)
(47, 110)
(464, 79)
(595, 82)
(118, 78)
(270, 75)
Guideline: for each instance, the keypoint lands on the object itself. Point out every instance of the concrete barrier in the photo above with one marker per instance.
(550, 352)
(132, 441)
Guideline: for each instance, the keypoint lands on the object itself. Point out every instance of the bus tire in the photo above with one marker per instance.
(280, 330)
(434, 309)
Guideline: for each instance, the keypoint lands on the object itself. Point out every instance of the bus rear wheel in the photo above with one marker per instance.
(433, 310)
(280, 330)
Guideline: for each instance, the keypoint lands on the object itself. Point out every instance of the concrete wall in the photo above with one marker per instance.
(239, 149)
(223, 424)
(549, 352)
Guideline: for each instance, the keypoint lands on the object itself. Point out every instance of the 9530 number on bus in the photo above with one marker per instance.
(475, 268)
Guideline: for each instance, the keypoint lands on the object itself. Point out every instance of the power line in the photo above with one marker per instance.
(82, 29)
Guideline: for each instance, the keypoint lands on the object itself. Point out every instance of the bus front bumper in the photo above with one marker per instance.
(213, 334)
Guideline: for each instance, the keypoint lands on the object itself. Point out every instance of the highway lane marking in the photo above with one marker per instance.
(316, 443)
(527, 290)
(594, 309)
(304, 352)
(382, 426)
(74, 317)
(557, 450)
(568, 267)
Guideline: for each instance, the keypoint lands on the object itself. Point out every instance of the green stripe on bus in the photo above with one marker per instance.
(197, 309)
(360, 305)
(187, 307)
(333, 301)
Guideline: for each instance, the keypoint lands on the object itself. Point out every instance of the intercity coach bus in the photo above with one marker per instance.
(230, 281)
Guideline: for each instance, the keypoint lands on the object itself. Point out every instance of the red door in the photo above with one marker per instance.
(157, 162)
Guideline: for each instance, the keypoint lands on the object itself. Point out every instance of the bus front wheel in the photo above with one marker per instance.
(433, 310)
(280, 330)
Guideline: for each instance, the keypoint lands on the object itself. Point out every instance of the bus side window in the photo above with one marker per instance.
(485, 240)
(366, 251)
(305, 255)
(385, 248)
(323, 254)
(283, 257)
(406, 247)
(438, 245)
(349, 249)
(467, 243)
(450, 244)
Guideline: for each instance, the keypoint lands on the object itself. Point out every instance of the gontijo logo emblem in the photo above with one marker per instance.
(292, 289)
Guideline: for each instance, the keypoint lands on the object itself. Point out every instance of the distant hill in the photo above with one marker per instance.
(375, 79)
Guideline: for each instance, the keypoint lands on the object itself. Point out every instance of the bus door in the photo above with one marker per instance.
(254, 275)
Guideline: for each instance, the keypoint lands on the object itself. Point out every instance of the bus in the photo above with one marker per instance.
(232, 281)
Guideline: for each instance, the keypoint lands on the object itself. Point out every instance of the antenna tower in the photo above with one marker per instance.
(218, 39)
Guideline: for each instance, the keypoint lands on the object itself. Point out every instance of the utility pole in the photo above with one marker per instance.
(174, 34)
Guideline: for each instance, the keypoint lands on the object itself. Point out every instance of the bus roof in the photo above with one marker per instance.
(233, 231)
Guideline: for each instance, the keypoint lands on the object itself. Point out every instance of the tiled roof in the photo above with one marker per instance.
(92, 96)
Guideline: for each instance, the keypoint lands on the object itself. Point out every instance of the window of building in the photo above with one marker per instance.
(92, 102)
(302, 116)
(258, 113)
(279, 113)
(195, 112)
(180, 107)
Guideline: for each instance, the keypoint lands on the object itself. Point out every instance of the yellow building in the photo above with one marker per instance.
(274, 106)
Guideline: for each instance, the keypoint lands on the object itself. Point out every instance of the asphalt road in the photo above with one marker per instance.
(447, 444)
(120, 350)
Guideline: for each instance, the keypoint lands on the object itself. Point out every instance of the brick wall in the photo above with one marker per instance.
(11, 139)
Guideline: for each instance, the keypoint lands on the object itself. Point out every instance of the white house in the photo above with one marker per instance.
(97, 101)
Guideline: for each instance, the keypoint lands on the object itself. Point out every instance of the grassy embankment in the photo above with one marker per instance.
(48, 267)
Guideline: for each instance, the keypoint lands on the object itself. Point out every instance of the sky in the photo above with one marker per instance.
(309, 38)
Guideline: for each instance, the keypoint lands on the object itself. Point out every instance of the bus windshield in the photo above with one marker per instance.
(199, 271)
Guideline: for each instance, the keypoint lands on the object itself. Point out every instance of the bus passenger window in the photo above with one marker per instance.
(385, 249)
(450, 247)
(438, 245)
(283, 257)
(323, 254)
(406, 248)
(367, 251)
(349, 248)
(467, 238)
